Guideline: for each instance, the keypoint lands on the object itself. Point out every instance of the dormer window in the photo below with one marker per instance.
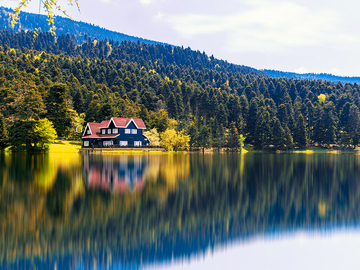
(134, 131)
(109, 131)
(127, 131)
(115, 131)
(88, 132)
(103, 131)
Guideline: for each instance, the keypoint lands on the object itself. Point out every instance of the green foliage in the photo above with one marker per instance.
(59, 112)
(28, 103)
(43, 134)
(3, 132)
(164, 85)
(300, 137)
(31, 135)
(233, 138)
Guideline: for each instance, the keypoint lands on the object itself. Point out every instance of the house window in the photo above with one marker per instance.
(88, 132)
(127, 131)
(137, 143)
(103, 131)
(115, 131)
(123, 143)
(108, 143)
(134, 131)
(86, 143)
(109, 131)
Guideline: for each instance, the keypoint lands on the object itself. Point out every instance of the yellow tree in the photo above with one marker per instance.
(49, 6)
(172, 140)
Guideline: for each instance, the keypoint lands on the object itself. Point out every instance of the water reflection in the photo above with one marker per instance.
(115, 173)
(106, 211)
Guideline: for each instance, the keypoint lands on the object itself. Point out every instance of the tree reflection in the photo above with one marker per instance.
(185, 204)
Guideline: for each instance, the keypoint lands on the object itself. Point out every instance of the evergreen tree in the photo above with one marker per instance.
(300, 135)
(58, 109)
(233, 140)
(29, 103)
(278, 134)
(289, 143)
(262, 131)
(204, 138)
(3, 132)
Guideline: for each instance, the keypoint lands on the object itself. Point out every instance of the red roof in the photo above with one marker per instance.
(123, 122)
(119, 122)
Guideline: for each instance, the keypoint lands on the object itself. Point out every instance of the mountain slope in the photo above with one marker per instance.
(30, 21)
(80, 31)
(311, 76)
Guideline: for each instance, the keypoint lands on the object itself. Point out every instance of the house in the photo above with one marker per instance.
(116, 132)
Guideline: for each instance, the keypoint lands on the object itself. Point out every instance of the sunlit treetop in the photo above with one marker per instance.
(49, 6)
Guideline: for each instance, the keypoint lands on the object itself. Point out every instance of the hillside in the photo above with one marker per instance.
(213, 101)
(80, 31)
(30, 21)
(311, 76)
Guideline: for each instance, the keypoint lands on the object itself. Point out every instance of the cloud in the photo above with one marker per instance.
(266, 26)
(148, 2)
(145, 2)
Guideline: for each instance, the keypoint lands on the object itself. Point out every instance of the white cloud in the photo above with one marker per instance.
(148, 2)
(267, 27)
(145, 2)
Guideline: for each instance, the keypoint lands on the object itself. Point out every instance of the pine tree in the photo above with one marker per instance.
(300, 135)
(233, 140)
(262, 131)
(278, 134)
(3, 132)
(58, 109)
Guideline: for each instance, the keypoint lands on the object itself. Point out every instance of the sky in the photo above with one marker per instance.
(338, 250)
(290, 35)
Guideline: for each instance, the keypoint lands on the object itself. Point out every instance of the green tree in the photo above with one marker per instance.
(300, 136)
(328, 121)
(3, 132)
(28, 104)
(43, 134)
(32, 135)
(233, 140)
(58, 109)
(278, 134)
(262, 134)
(289, 142)
(204, 138)
(193, 133)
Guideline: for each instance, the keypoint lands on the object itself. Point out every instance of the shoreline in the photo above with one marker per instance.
(67, 146)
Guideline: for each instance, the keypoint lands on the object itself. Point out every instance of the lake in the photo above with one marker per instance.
(180, 211)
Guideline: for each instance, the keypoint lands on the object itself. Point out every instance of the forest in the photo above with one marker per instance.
(213, 101)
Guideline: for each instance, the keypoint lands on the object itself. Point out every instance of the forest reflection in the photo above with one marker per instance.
(84, 211)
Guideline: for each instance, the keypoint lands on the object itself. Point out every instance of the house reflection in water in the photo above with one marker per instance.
(115, 173)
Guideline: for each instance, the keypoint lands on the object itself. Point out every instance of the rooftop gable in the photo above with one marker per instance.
(124, 122)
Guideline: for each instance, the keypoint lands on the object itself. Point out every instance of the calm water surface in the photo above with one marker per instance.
(176, 211)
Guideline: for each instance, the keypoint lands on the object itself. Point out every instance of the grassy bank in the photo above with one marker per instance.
(60, 146)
